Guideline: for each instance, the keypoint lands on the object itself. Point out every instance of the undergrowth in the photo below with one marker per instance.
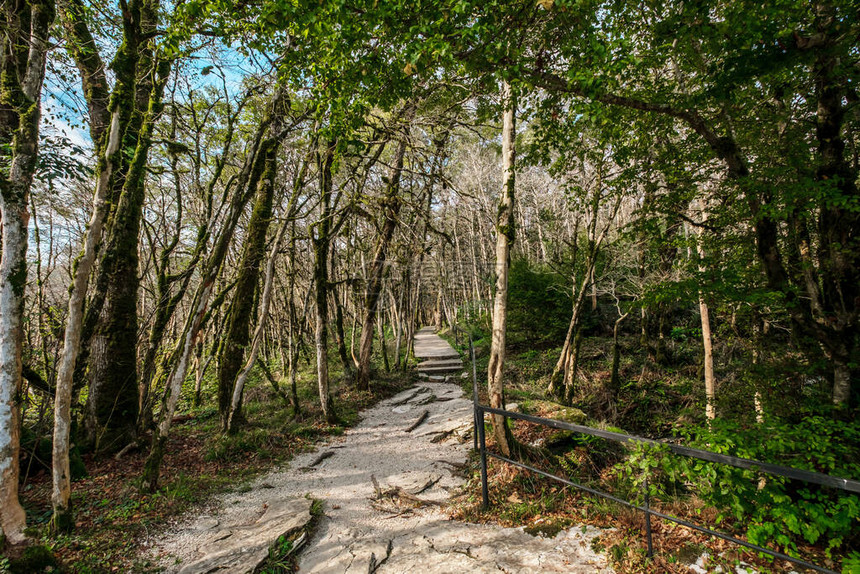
(666, 403)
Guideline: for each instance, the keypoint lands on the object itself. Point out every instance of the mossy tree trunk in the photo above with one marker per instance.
(180, 359)
(243, 306)
(112, 404)
(107, 119)
(321, 239)
(615, 378)
(168, 297)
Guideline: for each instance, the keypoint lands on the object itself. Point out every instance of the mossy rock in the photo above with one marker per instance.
(556, 411)
(35, 559)
(562, 439)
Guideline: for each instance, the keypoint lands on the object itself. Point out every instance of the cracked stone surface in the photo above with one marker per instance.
(358, 534)
(240, 547)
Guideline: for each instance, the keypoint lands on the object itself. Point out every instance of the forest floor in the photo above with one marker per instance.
(385, 488)
(113, 517)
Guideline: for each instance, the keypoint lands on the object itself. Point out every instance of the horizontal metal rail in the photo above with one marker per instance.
(788, 472)
(746, 463)
(669, 517)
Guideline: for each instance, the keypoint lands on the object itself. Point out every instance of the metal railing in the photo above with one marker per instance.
(480, 445)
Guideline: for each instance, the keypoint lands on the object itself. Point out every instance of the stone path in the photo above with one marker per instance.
(384, 488)
(441, 357)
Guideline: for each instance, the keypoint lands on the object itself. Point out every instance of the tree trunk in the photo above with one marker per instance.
(294, 330)
(710, 385)
(112, 403)
(61, 491)
(707, 343)
(504, 241)
(391, 204)
(615, 379)
(22, 69)
(180, 360)
(242, 309)
(340, 339)
(266, 299)
(380, 324)
(572, 367)
(321, 243)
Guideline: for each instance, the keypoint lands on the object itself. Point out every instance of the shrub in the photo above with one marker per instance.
(773, 509)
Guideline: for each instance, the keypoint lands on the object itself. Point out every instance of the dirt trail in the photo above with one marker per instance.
(376, 528)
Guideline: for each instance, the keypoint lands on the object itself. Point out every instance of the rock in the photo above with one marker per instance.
(242, 548)
(351, 556)
(558, 412)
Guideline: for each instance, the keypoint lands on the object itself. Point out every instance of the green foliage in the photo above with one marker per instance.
(280, 560)
(538, 303)
(851, 564)
(586, 456)
(772, 509)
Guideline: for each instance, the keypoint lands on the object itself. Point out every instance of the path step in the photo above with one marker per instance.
(429, 345)
(450, 369)
(433, 378)
(441, 363)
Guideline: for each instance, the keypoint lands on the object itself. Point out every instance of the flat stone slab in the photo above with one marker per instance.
(241, 548)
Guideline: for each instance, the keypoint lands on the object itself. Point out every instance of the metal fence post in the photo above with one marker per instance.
(648, 520)
(483, 440)
(474, 390)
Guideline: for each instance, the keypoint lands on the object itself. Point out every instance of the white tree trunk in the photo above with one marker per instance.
(61, 491)
(707, 341)
(13, 276)
(17, 177)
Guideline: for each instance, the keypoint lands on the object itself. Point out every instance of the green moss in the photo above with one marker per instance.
(555, 411)
(34, 559)
(18, 279)
(62, 522)
(548, 529)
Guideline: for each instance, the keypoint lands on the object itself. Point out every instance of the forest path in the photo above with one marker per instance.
(440, 357)
(398, 524)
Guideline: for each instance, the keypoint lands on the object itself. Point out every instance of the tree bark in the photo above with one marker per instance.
(236, 338)
(266, 300)
(180, 359)
(504, 240)
(321, 241)
(23, 54)
(61, 490)
(112, 403)
(707, 341)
